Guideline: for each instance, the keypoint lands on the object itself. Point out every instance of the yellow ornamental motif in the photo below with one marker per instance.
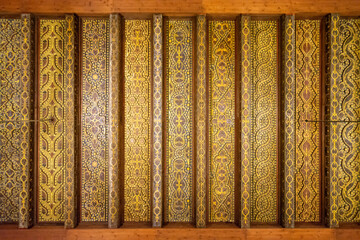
(222, 117)
(349, 142)
(137, 120)
(51, 106)
(95, 120)
(264, 118)
(307, 108)
(179, 121)
(10, 109)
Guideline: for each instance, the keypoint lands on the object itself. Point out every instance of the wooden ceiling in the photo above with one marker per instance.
(184, 7)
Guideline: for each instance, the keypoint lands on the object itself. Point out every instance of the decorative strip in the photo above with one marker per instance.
(331, 131)
(95, 120)
(179, 111)
(288, 78)
(245, 121)
(70, 112)
(10, 108)
(201, 123)
(52, 108)
(114, 118)
(349, 109)
(222, 120)
(157, 121)
(307, 133)
(26, 201)
(264, 121)
(137, 120)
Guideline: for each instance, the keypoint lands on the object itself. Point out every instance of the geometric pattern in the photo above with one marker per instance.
(51, 106)
(10, 73)
(288, 122)
(264, 121)
(95, 119)
(70, 144)
(201, 123)
(137, 120)
(157, 141)
(26, 196)
(115, 134)
(332, 41)
(349, 110)
(179, 133)
(245, 121)
(307, 133)
(222, 120)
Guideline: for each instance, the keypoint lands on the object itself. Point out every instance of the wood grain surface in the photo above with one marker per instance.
(189, 7)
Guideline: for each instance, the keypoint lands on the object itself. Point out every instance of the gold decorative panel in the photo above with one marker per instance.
(51, 106)
(137, 119)
(95, 119)
(10, 110)
(349, 110)
(222, 119)
(179, 121)
(307, 133)
(264, 121)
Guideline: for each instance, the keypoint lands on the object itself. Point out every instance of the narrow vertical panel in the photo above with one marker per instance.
(179, 115)
(26, 200)
(137, 120)
(114, 124)
(331, 113)
(264, 121)
(349, 110)
(245, 121)
(307, 133)
(157, 121)
(222, 119)
(10, 108)
(201, 123)
(288, 78)
(69, 92)
(51, 112)
(95, 120)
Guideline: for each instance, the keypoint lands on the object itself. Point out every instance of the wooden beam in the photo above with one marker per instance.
(201, 123)
(288, 122)
(157, 140)
(319, 7)
(114, 217)
(26, 201)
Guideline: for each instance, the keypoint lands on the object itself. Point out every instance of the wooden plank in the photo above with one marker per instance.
(320, 7)
(288, 81)
(114, 118)
(157, 141)
(182, 233)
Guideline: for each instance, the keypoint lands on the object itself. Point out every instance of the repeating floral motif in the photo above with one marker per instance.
(179, 121)
(95, 120)
(264, 121)
(137, 119)
(51, 108)
(222, 119)
(349, 110)
(10, 108)
(307, 108)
